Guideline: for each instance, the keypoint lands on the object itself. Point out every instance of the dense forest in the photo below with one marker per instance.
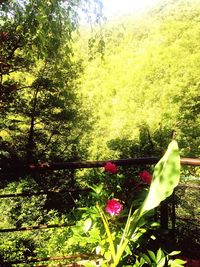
(143, 81)
(73, 92)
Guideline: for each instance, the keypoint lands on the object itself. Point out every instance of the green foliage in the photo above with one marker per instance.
(147, 82)
(159, 259)
(22, 212)
(188, 214)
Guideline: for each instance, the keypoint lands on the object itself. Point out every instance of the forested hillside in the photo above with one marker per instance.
(144, 82)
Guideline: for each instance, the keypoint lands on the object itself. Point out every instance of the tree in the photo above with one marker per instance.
(43, 117)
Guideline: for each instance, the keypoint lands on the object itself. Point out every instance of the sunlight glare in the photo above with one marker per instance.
(114, 8)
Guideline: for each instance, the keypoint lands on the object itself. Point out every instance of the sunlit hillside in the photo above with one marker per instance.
(144, 73)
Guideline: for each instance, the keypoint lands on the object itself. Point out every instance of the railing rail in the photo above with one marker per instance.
(59, 258)
(36, 227)
(44, 192)
(10, 167)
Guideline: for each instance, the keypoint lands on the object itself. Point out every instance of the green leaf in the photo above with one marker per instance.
(108, 232)
(176, 263)
(97, 188)
(173, 253)
(136, 264)
(179, 262)
(152, 255)
(161, 263)
(142, 262)
(153, 237)
(107, 255)
(166, 177)
(87, 225)
(159, 255)
(146, 258)
(89, 264)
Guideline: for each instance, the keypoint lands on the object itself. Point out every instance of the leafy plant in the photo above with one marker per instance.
(165, 178)
(159, 259)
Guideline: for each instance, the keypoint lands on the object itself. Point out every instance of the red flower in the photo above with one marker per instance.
(146, 177)
(110, 167)
(113, 207)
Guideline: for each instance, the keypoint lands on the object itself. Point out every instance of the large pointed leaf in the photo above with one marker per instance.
(166, 177)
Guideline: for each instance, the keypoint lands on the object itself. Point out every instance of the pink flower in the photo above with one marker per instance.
(113, 207)
(110, 167)
(146, 177)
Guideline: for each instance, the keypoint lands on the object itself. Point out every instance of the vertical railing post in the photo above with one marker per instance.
(164, 215)
(173, 214)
